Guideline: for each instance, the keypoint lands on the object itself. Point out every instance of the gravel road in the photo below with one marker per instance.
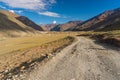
(83, 60)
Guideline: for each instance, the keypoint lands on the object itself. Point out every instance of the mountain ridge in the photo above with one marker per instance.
(100, 21)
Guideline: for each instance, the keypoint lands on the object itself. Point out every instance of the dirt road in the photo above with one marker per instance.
(83, 60)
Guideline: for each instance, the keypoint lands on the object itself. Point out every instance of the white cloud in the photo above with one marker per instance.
(51, 14)
(12, 11)
(29, 4)
(15, 11)
(54, 22)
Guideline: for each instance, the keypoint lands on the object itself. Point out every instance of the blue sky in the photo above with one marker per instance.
(47, 11)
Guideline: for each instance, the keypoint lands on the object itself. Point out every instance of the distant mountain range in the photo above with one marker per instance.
(108, 20)
(62, 27)
(48, 27)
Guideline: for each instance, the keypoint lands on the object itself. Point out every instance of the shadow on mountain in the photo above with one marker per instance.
(7, 24)
(29, 23)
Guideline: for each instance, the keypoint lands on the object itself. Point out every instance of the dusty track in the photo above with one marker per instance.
(83, 60)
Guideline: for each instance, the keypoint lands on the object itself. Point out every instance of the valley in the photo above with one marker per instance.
(75, 50)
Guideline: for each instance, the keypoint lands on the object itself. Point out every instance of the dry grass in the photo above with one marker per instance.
(17, 51)
(110, 37)
(113, 33)
(21, 43)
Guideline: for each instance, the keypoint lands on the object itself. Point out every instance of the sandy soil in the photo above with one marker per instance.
(83, 60)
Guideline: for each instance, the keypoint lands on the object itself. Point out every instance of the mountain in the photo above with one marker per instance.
(108, 20)
(67, 26)
(29, 23)
(48, 27)
(9, 25)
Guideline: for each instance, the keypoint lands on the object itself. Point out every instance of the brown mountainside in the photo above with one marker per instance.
(29, 23)
(108, 20)
(9, 25)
